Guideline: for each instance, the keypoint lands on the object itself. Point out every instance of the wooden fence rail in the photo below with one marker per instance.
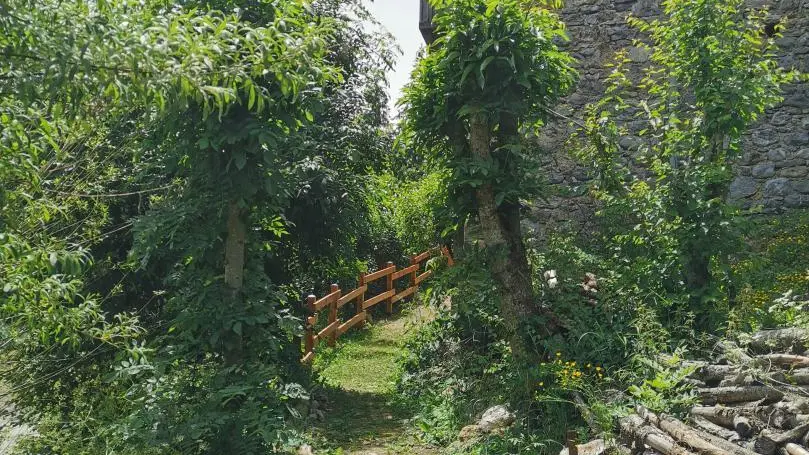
(335, 299)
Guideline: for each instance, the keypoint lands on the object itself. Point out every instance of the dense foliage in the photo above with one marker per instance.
(132, 133)
(175, 176)
(486, 81)
(665, 272)
(713, 71)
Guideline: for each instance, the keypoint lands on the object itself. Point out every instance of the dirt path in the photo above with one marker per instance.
(361, 415)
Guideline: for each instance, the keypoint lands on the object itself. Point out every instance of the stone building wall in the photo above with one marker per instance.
(773, 172)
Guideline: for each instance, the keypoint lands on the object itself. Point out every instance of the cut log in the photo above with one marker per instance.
(794, 405)
(719, 415)
(764, 445)
(714, 429)
(794, 449)
(635, 429)
(739, 394)
(742, 426)
(701, 442)
(798, 377)
(715, 373)
(792, 435)
(783, 360)
(733, 353)
(779, 339)
(594, 447)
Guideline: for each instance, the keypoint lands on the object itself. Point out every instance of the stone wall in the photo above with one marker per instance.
(774, 170)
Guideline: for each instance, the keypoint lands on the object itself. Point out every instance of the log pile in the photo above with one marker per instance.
(753, 400)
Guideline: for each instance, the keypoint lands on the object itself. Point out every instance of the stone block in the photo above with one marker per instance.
(777, 154)
(777, 187)
(796, 201)
(742, 187)
(801, 186)
(764, 137)
(794, 172)
(763, 170)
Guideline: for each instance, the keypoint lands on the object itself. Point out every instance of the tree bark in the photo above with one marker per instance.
(634, 428)
(738, 394)
(234, 275)
(501, 233)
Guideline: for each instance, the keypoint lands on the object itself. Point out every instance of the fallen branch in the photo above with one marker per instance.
(634, 427)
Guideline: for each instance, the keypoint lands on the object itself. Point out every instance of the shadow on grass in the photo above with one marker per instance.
(357, 378)
(355, 418)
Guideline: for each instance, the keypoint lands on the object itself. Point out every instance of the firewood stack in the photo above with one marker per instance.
(753, 400)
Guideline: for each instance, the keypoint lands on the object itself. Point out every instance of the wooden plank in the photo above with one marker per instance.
(325, 301)
(308, 357)
(350, 323)
(424, 276)
(417, 264)
(390, 287)
(448, 255)
(351, 296)
(331, 328)
(333, 314)
(423, 256)
(380, 273)
(405, 271)
(407, 292)
(376, 299)
(309, 335)
(361, 298)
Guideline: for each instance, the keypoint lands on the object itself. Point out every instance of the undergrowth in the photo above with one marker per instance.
(619, 347)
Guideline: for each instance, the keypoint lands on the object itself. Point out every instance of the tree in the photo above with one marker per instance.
(483, 83)
(713, 72)
(200, 102)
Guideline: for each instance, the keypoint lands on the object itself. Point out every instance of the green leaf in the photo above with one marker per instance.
(240, 159)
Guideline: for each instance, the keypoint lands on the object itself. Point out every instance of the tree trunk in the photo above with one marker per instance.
(508, 262)
(234, 275)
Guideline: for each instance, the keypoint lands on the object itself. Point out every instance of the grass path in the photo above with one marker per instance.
(362, 417)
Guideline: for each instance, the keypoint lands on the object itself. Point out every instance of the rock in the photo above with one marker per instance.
(799, 138)
(793, 172)
(469, 432)
(777, 154)
(742, 187)
(801, 186)
(639, 54)
(777, 187)
(796, 200)
(763, 138)
(763, 170)
(305, 449)
(495, 417)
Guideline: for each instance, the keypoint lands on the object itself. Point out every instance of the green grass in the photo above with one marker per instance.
(358, 377)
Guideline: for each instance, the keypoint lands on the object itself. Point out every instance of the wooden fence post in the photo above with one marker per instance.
(361, 299)
(309, 336)
(389, 287)
(570, 441)
(414, 273)
(333, 313)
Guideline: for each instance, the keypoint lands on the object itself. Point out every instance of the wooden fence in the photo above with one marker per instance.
(336, 299)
